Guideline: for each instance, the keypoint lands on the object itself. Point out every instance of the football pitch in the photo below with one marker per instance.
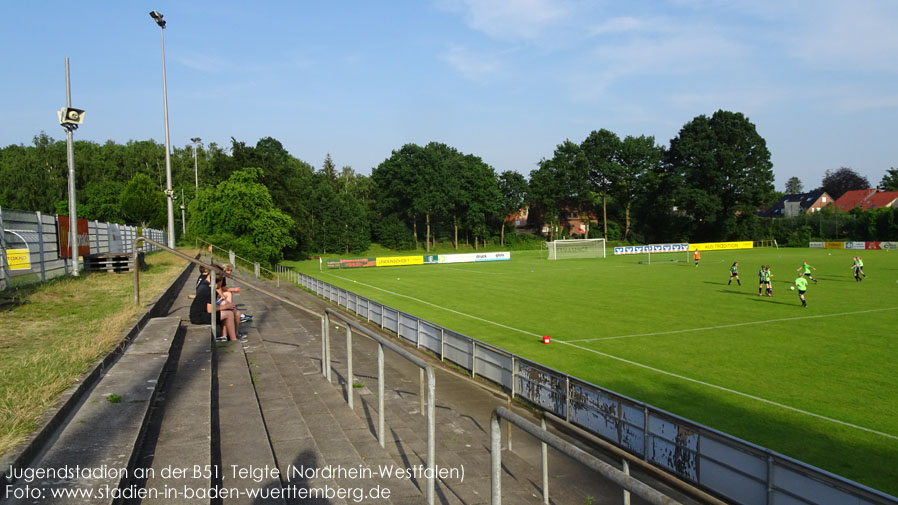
(819, 384)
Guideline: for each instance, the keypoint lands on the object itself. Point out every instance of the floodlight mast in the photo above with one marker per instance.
(69, 119)
(169, 194)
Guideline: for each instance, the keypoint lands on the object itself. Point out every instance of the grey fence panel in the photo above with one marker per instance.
(375, 313)
(361, 307)
(742, 479)
(430, 336)
(390, 319)
(458, 349)
(341, 297)
(542, 387)
(407, 327)
(352, 303)
(609, 416)
(493, 365)
(673, 446)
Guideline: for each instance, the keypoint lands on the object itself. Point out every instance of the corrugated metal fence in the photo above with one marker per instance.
(730, 467)
(37, 234)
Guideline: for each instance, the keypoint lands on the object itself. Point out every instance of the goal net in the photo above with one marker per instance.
(576, 248)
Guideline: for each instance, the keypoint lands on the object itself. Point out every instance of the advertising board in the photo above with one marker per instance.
(395, 261)
(653, 248)
(816, 245)
(65, 250)
(856, 245)
(18, 259)
(722, 246)
(352, 263)
(474, 257)
(834, 245)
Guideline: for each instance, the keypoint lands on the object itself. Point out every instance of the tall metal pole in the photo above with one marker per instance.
(183, 220)
(196, 172)
(70, 158)
(168, 191)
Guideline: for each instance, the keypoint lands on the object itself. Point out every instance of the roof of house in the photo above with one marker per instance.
(880, 199)
(804, 200)
(853, 198)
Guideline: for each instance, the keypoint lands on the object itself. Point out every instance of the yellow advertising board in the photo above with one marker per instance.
(395, 261)
(18, 259)
(722, 246)
(834, 245)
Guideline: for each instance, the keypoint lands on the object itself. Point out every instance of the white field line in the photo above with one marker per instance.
(441, 307)
(748, 323)
(733, 391)
(658, 370)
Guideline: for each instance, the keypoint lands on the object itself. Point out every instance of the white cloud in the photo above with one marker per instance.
(510, 19)
(477, 67)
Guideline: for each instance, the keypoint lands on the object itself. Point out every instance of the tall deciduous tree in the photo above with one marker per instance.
(794, 186)
(726, 172)
(601, 150)
(838, 182)
(241, 208)
(638, 157)
(513, 188)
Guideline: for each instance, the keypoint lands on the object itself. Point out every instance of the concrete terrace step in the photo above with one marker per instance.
(180, 437)
(102, 434)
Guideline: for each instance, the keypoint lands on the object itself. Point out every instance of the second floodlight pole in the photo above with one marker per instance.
(70, 158)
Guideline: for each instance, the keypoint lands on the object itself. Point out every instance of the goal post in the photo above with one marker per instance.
(576, 248)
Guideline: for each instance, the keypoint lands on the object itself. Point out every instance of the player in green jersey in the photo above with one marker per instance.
(768, 280)
(805, 270)
(734, 273)
(802, 284)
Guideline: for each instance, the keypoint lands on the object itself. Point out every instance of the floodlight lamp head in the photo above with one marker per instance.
(70, 116)
(196, 140)
(157, 17)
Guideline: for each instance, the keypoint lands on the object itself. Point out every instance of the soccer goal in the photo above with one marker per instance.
(576, 248)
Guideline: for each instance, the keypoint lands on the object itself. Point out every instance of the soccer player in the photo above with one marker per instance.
(860, 265)
(762, 280)
(697, 255)
(734, 273)
(857, 270)
(802, 284)
(768, 280)
(805, 270)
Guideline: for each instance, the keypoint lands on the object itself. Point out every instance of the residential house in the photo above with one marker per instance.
(881, 199)
(792, 205)
(853, 198)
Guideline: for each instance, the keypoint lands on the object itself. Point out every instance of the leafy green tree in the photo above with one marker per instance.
(638, 157)
(601, 150)
(890, 180)
(794, 186)
(142, 201)
(241, 207)
(397, 180)
(725, 171)
(838, 182)
(102, 201)
(513, 188)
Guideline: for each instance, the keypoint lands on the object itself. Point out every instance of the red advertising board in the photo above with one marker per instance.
(65, 250)
(872, 245)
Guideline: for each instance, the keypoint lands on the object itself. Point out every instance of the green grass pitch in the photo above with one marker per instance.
(819, 384)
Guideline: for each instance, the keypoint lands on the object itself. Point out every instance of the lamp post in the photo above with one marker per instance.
(69, 119)
(196, 175)
(169, 194)
(183, 220)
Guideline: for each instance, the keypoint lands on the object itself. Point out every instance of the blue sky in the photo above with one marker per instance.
(504, 80)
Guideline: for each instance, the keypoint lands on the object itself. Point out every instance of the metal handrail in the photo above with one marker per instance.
(420, 363)
(620, 478)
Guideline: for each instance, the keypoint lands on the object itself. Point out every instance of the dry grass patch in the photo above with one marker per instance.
(62, 329)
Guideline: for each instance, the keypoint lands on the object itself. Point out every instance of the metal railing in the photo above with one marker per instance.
(426, 370)
(621, 478)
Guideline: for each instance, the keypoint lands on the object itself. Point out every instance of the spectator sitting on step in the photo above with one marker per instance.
(228, 316)
(228, 293)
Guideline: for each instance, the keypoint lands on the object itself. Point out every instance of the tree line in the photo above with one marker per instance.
(706, 184)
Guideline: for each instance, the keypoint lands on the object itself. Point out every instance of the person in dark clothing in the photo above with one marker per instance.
(201, 310)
